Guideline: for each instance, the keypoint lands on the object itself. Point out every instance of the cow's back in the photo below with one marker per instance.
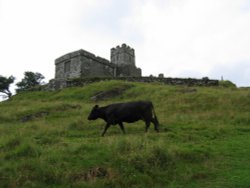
(129, 112)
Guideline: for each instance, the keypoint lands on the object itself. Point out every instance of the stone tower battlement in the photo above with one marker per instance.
(123, 55)
(83, 64)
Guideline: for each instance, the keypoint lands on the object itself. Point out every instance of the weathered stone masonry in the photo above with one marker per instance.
(167, 81)
(124, 59)
(82, 64)
(85, 64)
(81, 67)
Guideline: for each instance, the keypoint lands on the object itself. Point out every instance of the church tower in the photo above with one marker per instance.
(124, 58)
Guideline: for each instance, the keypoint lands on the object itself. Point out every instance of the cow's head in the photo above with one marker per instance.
(94, 114)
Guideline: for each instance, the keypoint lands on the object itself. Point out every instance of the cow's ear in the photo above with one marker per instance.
(96, 106)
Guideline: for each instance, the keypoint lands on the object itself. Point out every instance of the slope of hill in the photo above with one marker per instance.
(47, 141)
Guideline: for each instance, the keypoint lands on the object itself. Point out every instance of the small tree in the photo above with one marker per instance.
(29, 81)
(5, 85)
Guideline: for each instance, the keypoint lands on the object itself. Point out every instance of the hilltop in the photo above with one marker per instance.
(47, 141)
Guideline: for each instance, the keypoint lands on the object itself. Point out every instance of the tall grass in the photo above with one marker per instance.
(47, 141)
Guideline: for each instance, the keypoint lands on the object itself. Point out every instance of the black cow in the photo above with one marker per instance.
(125, 112)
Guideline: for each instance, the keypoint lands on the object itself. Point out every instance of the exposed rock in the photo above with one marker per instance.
(94, 173)
(43, 113)
(33, 116)
(103, 95)
(91, 174)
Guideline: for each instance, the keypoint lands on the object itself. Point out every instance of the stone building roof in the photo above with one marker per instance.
(86, 54)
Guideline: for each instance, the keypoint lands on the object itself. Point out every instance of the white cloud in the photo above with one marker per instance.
(175, 37)
(34, 33)
(239, 73)
(192, 35)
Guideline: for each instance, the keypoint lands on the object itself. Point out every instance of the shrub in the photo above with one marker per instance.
(227, 84)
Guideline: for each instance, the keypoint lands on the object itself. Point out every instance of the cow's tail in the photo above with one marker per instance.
(155, 117)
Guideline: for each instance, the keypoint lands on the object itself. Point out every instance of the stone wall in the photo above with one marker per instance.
(168, 81)
(95, 67)
(128, 71)
(82, 64)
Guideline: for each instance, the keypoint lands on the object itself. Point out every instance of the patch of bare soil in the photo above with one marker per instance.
(43, 113)
(36, 115)
(103, 95)
(93, 174)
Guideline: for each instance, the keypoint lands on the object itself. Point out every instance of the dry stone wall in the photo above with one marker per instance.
(168, 81)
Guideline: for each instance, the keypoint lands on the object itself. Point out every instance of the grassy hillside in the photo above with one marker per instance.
(204, 140)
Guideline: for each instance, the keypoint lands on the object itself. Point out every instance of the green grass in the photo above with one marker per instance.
(47, 141)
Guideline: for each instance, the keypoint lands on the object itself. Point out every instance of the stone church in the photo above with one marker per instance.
(85, 64)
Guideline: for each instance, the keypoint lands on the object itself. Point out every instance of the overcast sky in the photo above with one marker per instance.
(180, 38)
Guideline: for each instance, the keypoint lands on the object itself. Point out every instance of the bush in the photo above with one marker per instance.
(227, 84)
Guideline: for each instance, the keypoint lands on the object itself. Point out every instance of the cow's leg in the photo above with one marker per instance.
(122, 127)
(105, 129)
(156, 124)
(147, 125)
